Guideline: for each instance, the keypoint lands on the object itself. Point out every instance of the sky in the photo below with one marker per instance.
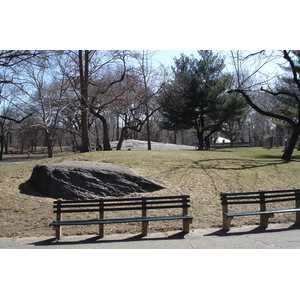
(166, 57)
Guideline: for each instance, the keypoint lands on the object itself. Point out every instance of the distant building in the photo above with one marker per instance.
(221, 140)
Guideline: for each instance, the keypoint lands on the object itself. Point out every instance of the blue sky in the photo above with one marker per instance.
(166, 56)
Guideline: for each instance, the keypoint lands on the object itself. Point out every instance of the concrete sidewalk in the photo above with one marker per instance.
(277, 236)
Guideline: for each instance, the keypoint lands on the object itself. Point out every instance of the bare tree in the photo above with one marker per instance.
(262, 83)
(109, 90)
(153, 81)
(10, 63)
(92, 75)
(45, 97)
(4, 124)
(139, 102)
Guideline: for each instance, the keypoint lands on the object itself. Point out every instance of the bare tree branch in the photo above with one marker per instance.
(253, 54)
(15, 120)
(261, 111)
(281, 93)
(293, 67)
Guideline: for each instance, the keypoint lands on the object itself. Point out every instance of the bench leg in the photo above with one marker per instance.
(145, 228)
(186, 225)
(101, 231)
(264, 220)
(57, 232)
(298, 217)
(226, 222)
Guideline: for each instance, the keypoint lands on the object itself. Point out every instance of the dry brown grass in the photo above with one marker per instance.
(202, 175)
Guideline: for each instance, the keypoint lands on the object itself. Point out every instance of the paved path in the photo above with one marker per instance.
(277, 236)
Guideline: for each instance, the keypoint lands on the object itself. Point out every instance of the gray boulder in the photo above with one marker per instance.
(87, 180)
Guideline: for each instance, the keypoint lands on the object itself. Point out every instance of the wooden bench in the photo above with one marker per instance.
(101, 206)
(259, 199)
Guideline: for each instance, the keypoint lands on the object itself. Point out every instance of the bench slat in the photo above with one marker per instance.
(282, 200)
(117, 209)
(257, 192)
(250, 213)
(67, 204)
(231, 202)
(123, 220)
(183, 197)
(281, 195)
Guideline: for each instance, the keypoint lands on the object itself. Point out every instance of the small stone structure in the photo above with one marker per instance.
(87, 180)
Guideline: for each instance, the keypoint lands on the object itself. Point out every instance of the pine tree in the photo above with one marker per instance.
(196, 96)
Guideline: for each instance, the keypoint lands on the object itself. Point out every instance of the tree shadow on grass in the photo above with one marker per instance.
(237, 163)
(294, 158)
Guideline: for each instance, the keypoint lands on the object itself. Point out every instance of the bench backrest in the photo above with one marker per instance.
(260, 197)
(125, 204)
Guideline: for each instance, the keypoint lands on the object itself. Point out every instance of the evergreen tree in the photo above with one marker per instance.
(196, 97)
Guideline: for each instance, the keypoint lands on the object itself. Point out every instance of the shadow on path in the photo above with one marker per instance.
(97, 240)
(256, 230)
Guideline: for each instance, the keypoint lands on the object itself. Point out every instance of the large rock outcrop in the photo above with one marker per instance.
(86, 180)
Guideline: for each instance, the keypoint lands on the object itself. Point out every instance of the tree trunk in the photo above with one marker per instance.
(292, 143)
(97, 134)
(49, 145)
(1, 147)
(148, 132)
(200, 138)
(83, 70)
(106, 143)
(84, 131)
(118, 128)
(122, 138)
(175, 137)
(6, 139)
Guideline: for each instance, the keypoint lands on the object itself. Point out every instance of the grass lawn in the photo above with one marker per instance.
(201, 174)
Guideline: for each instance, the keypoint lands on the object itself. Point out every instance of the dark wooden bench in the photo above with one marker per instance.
(261, 200)
(101, 206)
